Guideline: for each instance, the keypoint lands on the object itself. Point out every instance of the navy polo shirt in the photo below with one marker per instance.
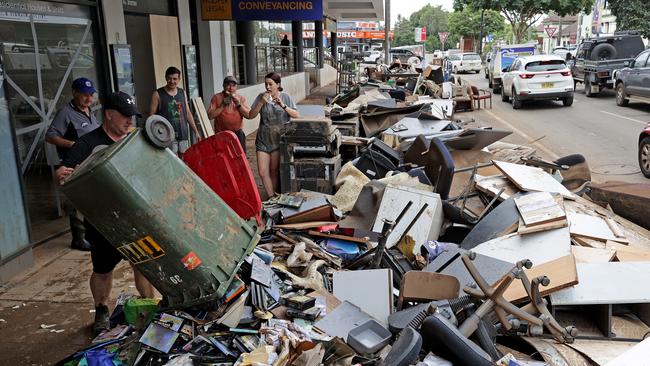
(71, 123)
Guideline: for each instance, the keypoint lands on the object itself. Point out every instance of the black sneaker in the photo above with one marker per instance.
(80, 244)
(102, 321)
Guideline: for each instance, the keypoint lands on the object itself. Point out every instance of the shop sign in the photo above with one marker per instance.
(262, 9)
(42, 12)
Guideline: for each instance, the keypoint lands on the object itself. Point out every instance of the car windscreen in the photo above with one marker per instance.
(549, 65)
(471, 57)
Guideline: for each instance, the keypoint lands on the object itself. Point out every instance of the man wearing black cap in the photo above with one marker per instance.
(119, 109)
(71, 122)
(228, 109)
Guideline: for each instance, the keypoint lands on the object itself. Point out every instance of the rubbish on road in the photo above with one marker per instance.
(397, 217)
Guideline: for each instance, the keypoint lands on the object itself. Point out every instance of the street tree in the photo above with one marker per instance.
(434, 18)
(467, 23)
(522, 14)
(631, 15)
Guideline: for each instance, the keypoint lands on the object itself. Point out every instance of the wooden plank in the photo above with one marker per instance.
(561, 272)
(538, 247)
(607, 283)
(635, 234)
(304, 225)
(523, 229)
(626, 253)
(539, 208)
(587, 242)
(165, 45)
(592, 255)
(530, 178)
(590, 226)
(493, 184)
(201, 113)
(339, 237)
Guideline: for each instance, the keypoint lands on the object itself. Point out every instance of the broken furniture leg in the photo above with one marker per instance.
(538, 305)
(494, 299)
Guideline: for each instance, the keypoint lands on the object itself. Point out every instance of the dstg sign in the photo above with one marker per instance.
(262, 9)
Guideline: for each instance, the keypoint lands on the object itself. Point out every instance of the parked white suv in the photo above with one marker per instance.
(465, 62)
(374, 56)
(540, 77)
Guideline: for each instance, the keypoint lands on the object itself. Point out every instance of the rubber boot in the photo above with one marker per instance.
(78, 231)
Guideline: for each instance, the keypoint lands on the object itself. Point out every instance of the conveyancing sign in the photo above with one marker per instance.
(262, 9)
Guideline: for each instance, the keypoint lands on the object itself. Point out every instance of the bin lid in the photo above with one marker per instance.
(101, 154)
(221, 163)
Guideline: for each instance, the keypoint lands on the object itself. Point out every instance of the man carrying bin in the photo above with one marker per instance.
(119, 109)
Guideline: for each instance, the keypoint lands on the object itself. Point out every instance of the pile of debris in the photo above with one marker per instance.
(426, 242)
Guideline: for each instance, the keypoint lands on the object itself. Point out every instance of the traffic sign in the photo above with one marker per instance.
(443, 36)
(550, 31)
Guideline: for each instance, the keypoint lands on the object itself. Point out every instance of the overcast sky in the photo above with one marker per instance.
(407, 7)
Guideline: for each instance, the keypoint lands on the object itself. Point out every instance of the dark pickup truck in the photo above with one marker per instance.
(597, 58)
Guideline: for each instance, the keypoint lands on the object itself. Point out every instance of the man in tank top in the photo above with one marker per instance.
(170, 102)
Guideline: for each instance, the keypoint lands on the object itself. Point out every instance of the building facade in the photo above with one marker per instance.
(123, 45)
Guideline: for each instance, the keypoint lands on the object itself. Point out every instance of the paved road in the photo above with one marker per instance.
(597, 128)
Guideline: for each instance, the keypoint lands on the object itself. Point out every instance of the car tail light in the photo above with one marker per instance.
(526, 76)
(602, 74)
(566, 73)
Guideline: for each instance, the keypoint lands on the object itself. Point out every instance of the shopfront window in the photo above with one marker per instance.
(44, 46)
(57, 30)
(272, 54)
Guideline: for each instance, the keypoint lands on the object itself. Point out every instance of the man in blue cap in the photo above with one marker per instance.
(72, 121)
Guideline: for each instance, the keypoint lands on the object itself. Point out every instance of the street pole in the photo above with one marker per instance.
(480, 41)
(387, 32)
(559, 37)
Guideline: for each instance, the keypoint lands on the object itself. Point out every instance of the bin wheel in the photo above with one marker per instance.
(159, 131)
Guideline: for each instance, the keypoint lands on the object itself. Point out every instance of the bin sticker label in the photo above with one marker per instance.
(191, 261)
(142, 250)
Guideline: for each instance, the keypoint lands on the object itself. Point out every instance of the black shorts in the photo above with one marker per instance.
(105, 257)
(242, 138)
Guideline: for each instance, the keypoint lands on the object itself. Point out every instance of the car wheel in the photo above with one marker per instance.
(568, 100)
(516, 102)
(504, 97)
(644, 156)
(496, 89)
(620, 95)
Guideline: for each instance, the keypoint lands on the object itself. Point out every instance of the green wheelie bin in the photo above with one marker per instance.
(163, 218)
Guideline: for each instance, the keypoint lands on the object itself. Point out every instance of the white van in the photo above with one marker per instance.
(465, 62)
(502, 60)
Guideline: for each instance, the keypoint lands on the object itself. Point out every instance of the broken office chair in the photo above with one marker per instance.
(439, 167)
(418, 286)
(479, 95)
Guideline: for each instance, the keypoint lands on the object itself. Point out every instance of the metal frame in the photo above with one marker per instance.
(46, 116)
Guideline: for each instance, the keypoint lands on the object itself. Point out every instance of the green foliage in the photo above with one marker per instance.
(522, 14)
(631, 15)
(434, 18)
(467, 22)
